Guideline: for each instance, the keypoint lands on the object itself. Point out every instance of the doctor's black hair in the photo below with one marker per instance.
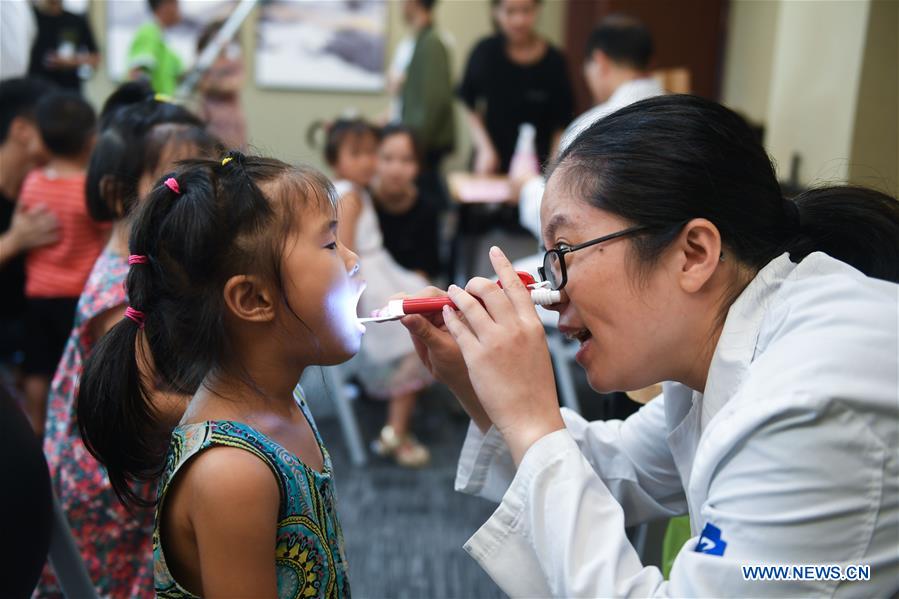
(663, 161)
(214, 222)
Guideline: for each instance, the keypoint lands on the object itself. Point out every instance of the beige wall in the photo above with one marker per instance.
(278, 120)
(822, 77)
(814, 86)
(752, 30)
(875, 141)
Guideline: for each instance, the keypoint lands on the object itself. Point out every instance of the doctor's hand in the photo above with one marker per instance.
(440, 354)
(504, 347)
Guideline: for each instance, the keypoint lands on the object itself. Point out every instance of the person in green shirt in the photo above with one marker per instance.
(427, 92)
(150, 56)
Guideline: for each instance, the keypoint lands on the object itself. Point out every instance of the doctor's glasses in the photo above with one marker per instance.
(553, 269)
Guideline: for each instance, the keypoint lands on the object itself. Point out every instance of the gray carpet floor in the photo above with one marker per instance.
(404, 529)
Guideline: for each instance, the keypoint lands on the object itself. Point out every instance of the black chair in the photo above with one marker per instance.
(34, 526)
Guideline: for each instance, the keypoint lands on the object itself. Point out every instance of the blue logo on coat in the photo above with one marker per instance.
(710, 541)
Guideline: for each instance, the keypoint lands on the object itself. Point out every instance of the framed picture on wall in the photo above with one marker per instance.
(124, 17)
(333, 45)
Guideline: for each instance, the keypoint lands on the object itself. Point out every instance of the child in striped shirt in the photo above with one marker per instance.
(55, 274)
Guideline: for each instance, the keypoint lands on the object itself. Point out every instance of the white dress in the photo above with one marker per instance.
(384, 343)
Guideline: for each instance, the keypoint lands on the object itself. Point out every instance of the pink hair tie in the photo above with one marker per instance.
(135, 315)
(173, 185)
(137, 259)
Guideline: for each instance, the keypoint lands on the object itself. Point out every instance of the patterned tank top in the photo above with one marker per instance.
(309, 553)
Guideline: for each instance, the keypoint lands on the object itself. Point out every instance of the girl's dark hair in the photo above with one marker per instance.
(400, 129)
(337, 132)
(128, 93)
(227, 220)
(663, 161)
(130, 145)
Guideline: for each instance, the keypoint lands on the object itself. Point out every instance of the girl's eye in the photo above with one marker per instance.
(332, 245)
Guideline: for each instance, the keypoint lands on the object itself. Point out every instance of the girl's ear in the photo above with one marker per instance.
(109, 193)
(249, 299)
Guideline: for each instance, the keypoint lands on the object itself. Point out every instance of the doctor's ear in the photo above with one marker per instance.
(699, 253)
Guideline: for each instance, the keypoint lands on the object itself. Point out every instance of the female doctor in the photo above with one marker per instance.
(678, 260)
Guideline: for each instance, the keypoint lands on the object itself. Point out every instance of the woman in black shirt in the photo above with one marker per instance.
(511, 78)
(408, 217)
(64, 44)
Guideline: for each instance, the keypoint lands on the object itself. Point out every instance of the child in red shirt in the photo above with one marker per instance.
(55, 274)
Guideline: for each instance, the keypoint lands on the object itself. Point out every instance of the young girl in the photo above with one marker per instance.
(237, 283)
(407, 216)
(387, 365)
(142, 136)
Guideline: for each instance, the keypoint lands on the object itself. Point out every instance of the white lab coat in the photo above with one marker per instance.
(791, 453)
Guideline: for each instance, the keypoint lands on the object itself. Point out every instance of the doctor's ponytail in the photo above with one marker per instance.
(855, 225)
(663, 161)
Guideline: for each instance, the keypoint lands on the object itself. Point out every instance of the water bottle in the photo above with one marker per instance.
(524, 160)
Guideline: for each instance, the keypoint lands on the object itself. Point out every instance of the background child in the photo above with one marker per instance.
(387, 365)
(238, 283)
(143, 137)
(408, 218)
(55, 274)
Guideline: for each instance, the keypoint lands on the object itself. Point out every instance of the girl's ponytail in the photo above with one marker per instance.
(114, 412)
(118, 421)
(855, 225)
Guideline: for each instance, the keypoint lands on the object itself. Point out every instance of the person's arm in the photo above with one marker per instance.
(471, 90)
(486, 161)
(631, 457)
(30, 228)
(232, 496)
(803, 487)
(441, 356)
(349, 207)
